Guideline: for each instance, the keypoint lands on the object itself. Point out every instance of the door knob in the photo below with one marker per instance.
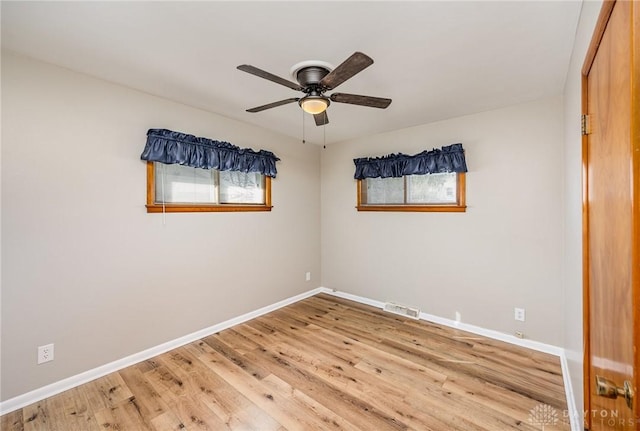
(608, 389)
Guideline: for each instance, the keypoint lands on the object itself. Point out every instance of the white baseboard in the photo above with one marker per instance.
(489, 333)
(574, 417)
(87, 376)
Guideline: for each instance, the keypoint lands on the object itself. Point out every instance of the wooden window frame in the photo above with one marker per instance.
(459, 206)
(154, 207)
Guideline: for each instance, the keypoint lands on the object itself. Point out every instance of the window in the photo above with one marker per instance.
(177, 188)
(443, 192)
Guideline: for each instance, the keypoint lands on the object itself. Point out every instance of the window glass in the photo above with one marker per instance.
(432, 189)
(182, 184)
(385, 190)
(443, 192)
(177, 188)
(241, 188)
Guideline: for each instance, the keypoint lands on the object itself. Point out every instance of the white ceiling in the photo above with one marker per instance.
(436, 60)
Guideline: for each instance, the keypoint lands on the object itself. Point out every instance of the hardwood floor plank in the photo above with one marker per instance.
(252, 368)
(256, 336)
(443, 357)
(360, 413)
(124, 415)
(12, 421)
(105, 392)
(398, 394)
(36, 417)
(323, 363)
(237, 341)
(317, 338)
(233, 408)
(181, 395)
(195, 415)
(165, 382)
(333, 421)
(493, 397)
(388, 399)
(149, 400)
(72, 409)
(168, 421)
(285, 409)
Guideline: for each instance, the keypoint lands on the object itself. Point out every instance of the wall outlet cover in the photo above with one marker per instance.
(45, 353)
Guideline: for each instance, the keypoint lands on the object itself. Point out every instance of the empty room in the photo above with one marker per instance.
(304, 215)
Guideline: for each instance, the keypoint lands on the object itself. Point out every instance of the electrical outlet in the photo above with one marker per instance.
(45, 353)
(458, 317)
(519, 314)
(307, 276)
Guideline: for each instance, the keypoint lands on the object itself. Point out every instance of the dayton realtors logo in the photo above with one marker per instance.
(543, 415)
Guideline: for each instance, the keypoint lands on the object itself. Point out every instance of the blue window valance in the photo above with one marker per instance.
(447, 159)
(169, 147)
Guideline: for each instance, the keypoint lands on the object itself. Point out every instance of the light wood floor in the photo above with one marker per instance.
(323, 363)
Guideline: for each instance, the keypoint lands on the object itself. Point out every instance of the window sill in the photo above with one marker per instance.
(177, 208)
(414, 208)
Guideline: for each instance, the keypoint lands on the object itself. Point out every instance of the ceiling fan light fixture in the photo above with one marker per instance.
(314, 104)
(314, 78)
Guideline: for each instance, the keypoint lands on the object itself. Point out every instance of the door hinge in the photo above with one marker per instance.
(584, 124)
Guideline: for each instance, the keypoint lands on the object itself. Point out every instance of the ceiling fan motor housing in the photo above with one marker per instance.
(311, 76)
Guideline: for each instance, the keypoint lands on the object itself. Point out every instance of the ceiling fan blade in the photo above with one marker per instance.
(351, 66)
(354, 99)
(270, 76)
(321, 118)
(273, 105)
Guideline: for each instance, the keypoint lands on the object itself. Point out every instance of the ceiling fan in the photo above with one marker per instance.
(314, 79)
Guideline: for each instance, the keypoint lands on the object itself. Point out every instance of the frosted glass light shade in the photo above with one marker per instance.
(314, 105)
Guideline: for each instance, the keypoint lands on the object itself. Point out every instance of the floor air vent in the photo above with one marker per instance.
(402, 310)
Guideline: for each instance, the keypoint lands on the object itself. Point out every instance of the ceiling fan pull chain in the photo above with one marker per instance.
(303, 140)
(324, 131)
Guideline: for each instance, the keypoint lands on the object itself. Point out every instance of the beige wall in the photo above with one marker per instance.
(85, 267)
(504, 252)
(573, 200)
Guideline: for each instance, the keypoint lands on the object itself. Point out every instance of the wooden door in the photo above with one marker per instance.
(611, 179)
